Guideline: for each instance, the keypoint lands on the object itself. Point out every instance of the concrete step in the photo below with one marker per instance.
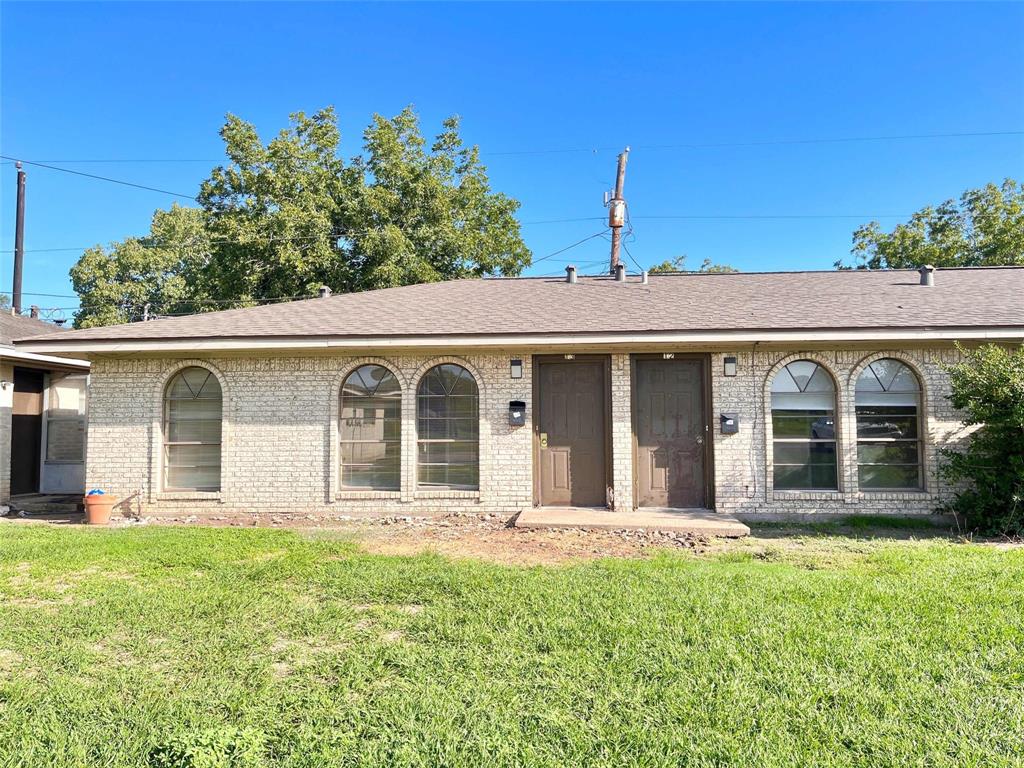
(47, 504)
(697, 522)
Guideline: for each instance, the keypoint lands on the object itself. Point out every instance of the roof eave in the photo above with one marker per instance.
(37, 360)
(497, 341)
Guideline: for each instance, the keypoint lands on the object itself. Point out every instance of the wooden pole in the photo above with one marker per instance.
(19, 240)
(617, 211)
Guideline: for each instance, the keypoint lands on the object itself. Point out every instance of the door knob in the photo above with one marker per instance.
(543, 439)
(700, 439)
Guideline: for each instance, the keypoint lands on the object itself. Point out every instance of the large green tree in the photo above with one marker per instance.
(985, 227)
(280, 219)
(162, 270)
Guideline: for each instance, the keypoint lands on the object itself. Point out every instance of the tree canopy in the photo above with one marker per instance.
(985, 227)
(678, 264)
(280, 219)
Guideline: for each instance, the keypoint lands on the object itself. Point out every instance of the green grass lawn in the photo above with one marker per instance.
(131, 647)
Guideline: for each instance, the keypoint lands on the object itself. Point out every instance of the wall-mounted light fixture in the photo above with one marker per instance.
(730, 366)
(515, 369)
(4, 384)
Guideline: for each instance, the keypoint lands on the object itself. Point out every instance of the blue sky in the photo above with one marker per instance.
(152, 81)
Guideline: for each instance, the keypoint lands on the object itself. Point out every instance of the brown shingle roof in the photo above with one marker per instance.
(18, 327)
(961, 298)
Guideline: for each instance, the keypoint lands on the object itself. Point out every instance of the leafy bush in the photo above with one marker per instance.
(219, 747)
(988, 386)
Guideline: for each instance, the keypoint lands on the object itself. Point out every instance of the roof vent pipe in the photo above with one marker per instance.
(644, 277)
(927, 275)
(570, 274)
(620, 273)
(325, 292)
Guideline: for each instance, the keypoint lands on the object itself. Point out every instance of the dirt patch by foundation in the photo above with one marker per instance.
(481, 537)
(521, 546)
(490, 537)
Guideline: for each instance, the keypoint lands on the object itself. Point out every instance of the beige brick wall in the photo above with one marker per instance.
(6, 402)
(743, 461)
(622, 434)
(280, 436)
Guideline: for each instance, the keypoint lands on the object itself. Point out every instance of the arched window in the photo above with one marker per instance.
(888, 401)
(804, 428)
(448, 429)
(192, 422)
(370, 429)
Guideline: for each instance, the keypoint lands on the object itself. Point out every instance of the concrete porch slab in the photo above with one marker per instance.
(699, 522)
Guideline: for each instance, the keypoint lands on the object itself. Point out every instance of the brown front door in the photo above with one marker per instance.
(670, 425)
(572, 432)
(26, 430)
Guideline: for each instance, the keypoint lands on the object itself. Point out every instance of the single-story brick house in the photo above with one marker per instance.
(742, 393)
(42, 416)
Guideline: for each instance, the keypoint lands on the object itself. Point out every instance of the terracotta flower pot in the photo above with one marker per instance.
(98, 508)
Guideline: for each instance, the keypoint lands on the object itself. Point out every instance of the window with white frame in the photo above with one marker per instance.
(448, 429)
(888, 404)
(192, 431)
(804, 428)
(65, 419)
(370, 429)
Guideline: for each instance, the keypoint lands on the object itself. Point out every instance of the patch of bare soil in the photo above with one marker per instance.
(519, 546)
(480, 537)
(12, 665)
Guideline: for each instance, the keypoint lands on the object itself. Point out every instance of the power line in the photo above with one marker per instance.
(835, 140)
(635, 262)
(183, 301)
(282, 298)
(193, 243)
(764, 143)
(101, 178)
(126, 160)
(347, 233)
(271, 239)
(596, 149)
(562, 221)
(747, 216)
(568, 247)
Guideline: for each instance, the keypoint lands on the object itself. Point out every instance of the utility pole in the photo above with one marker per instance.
(19, 240)
(617, 211)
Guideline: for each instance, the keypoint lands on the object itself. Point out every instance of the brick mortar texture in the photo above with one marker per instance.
(279, 442)
(6, 401)
(280, 435)
(743, 461)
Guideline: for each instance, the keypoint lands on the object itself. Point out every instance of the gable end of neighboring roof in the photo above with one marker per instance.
(17, 327)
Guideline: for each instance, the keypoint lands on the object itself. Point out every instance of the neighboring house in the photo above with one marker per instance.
(741, 393)
(42, 415)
